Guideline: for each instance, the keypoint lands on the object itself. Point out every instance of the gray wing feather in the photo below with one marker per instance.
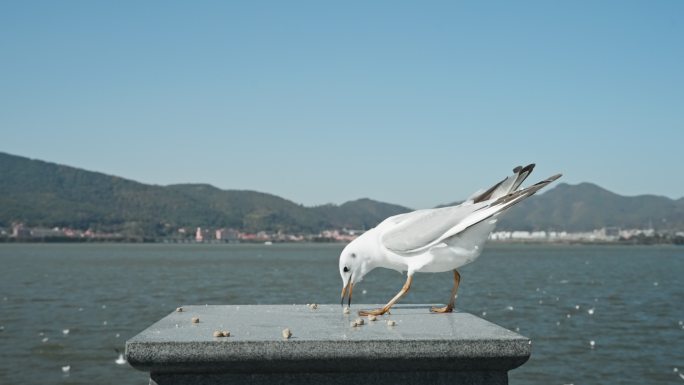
(419, 228)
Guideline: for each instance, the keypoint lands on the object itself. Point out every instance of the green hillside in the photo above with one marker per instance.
(587, 206)
(39, 193)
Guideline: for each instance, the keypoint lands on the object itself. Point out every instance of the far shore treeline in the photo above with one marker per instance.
(47, 195)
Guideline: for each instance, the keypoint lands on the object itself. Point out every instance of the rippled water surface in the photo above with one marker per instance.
(73, 305)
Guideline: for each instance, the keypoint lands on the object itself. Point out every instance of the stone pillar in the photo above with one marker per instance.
(421, 348)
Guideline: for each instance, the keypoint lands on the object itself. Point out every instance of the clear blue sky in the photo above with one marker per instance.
(415, 103)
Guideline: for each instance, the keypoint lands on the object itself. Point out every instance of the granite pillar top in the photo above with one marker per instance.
(323, 340)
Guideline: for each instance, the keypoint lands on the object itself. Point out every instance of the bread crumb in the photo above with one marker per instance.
(287, 333)
(371, 317)
(195, 320)
(346, 310)
(179, 309)
(391, 323)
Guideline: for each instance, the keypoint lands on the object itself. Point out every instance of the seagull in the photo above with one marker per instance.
(433, 240)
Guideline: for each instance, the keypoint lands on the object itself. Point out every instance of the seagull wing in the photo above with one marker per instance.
(417, 231)
(413, 231)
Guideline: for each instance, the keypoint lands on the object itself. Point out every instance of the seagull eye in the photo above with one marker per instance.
(346, 269)
(353, 255)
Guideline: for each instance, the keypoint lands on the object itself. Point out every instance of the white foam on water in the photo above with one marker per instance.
(66, 368)
(568, 316)
(591, 311)
(592, 343)
(104, 323)
(65, 332)
(655, 283)
(45, 340)
(484, 313)
(576, 307)
(104, 306)
(120, 360)
(364, 291)
(509, 308)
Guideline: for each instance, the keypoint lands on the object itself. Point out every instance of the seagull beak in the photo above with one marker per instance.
(347, 288)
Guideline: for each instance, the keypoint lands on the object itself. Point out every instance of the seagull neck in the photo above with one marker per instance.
(387, 259)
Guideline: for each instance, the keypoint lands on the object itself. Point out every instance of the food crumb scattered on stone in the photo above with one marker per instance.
(391, 323)
(218, 333)
(354, 324)
(179, 309)
(313, 306)
(371, 317)
(346, 310)
(195, 320)
(287, 333)
(359, 321)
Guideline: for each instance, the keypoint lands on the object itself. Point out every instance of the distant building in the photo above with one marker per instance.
(47, 233)
(20, 231)
(226, 235)
(198, 235)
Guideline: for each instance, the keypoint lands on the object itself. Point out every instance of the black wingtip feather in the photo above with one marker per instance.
(528, 168)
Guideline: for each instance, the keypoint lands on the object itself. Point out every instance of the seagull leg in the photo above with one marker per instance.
(386, 308)
(450, 307)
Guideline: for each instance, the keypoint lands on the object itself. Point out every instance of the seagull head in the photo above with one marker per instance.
(355, 263)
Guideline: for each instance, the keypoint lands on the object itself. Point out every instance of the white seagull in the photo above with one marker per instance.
(433, 240)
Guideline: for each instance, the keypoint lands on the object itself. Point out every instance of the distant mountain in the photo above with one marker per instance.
(587, 206)
(359, 214)
(39, 193)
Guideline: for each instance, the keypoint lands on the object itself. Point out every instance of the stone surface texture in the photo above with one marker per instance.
(423, 347)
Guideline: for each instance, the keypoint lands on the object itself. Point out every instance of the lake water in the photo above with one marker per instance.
(75, 304)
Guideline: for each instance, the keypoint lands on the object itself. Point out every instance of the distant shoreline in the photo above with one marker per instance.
(675, 242)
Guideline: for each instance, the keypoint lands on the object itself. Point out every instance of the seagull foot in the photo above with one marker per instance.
(376, 312)
(445, 309)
